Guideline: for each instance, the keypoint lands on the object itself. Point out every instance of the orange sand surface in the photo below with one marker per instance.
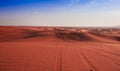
(59, 49)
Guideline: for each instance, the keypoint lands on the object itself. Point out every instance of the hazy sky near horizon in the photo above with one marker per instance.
(60, 12)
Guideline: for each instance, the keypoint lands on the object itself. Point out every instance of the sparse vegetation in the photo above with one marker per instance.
(117, 38)
(32, 33)
(72, 36)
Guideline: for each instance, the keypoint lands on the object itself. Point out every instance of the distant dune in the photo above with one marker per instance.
(59, 49)
(20, 33)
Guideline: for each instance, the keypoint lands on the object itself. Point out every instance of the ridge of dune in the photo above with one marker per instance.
(18, 33)
(22, 33)
(86, 36)
(103, 38)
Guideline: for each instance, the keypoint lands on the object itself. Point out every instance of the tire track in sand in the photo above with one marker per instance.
(107, 52)
(107, 57)
(117, 54)
(58, 60)
(84, 59)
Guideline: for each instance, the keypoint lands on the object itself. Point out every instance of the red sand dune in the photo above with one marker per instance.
(58, 49)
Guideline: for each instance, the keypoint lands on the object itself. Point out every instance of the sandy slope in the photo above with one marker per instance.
(81, 51)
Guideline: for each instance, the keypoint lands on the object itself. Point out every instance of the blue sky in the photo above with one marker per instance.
(60, 12)
(7, 3)
(17, 5)
(13, 4)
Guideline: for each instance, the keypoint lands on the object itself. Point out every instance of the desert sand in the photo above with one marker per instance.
(59, 49)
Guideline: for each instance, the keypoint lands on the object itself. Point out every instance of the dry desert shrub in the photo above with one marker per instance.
(117, 38)
(32, 33)
(78, 36)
